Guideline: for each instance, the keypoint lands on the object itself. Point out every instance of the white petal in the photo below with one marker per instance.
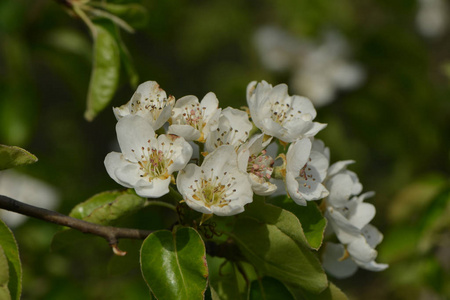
(361, 215)
(339, 166)
(188, 132)
(114, 161)
(332, 264)
(154, 189)
(292, 189)
(297, 155)
(165, 115)
(261, 187)
(372, 235)
(361, 251)
(133, 132)
(340, 187)
(177, 149)
(345, 231)
(373, 266)
(129, 174)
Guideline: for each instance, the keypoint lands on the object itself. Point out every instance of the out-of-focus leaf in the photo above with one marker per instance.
(264, 231)
(414, 197)
(330, 293)
(107, 207)
(224, 280)
(174, 264)
(12, 156)
(134, 14)
(269, 289)
(4, 276)
(11, 251)
(312, 220)
(105, 70)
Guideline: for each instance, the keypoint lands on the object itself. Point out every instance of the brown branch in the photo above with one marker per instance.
(111, 234)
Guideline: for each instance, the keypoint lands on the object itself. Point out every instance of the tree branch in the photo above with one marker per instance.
(111, 234)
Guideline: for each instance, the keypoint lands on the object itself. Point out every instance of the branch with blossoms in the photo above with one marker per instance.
(244, 186)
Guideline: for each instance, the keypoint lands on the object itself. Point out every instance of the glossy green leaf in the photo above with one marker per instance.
(134, 14)
(12, 156)
(11, 251)
(174, 264)
(224, 280)
(105, 70)
(278, 252)
(312, 220)
(269, 289)
(107, 207)
(4, 276)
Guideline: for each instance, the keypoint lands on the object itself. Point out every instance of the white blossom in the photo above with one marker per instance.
(217, 186)
(150, 102)
(277, 114)
(318, 70)
(306, 169)
(432, 17)
(253, 159)
(146, 162)
(349, 217)
(193, 120)
(28, 190)
(233, 129)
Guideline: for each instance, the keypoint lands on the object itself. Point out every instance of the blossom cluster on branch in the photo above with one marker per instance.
(234, 160)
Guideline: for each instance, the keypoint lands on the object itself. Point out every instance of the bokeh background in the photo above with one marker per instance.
(386, 70)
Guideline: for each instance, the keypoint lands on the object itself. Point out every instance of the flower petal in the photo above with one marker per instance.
(113, 162)
(333, 265)
(133, 133)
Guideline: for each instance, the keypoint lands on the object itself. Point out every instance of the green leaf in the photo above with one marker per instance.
(134, 14)
(4, 276)
(105, 70)
(312, 220)
(265, 231)
(224, 280)
(11, 251)
(174, 264)
(269, 289)
(107, 207)
(12, 156)
(330, 293)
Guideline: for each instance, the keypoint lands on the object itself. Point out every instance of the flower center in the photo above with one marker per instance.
(212, 191)
(229, 136)
(282, 112)
(194, 116)
(305, 176)
(261, 165)
(154, 162)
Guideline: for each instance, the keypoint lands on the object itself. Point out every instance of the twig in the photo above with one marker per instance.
(111, 234)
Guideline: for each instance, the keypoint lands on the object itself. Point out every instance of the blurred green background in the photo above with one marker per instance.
(395, 125)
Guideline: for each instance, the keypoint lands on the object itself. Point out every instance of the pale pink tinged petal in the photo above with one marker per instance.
(362, 215)
(188, 132)
(155, 189)
(361, 251)
(297, 156)
(114, 161)
(372, 235)
(332, 264)
(339, 166)
(133, 133)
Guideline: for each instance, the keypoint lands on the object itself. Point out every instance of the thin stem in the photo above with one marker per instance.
(111, 234)
(161, 203)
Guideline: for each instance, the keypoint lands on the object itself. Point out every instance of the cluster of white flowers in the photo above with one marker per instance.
(318, 70)
(349, 217)
(233, 162)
